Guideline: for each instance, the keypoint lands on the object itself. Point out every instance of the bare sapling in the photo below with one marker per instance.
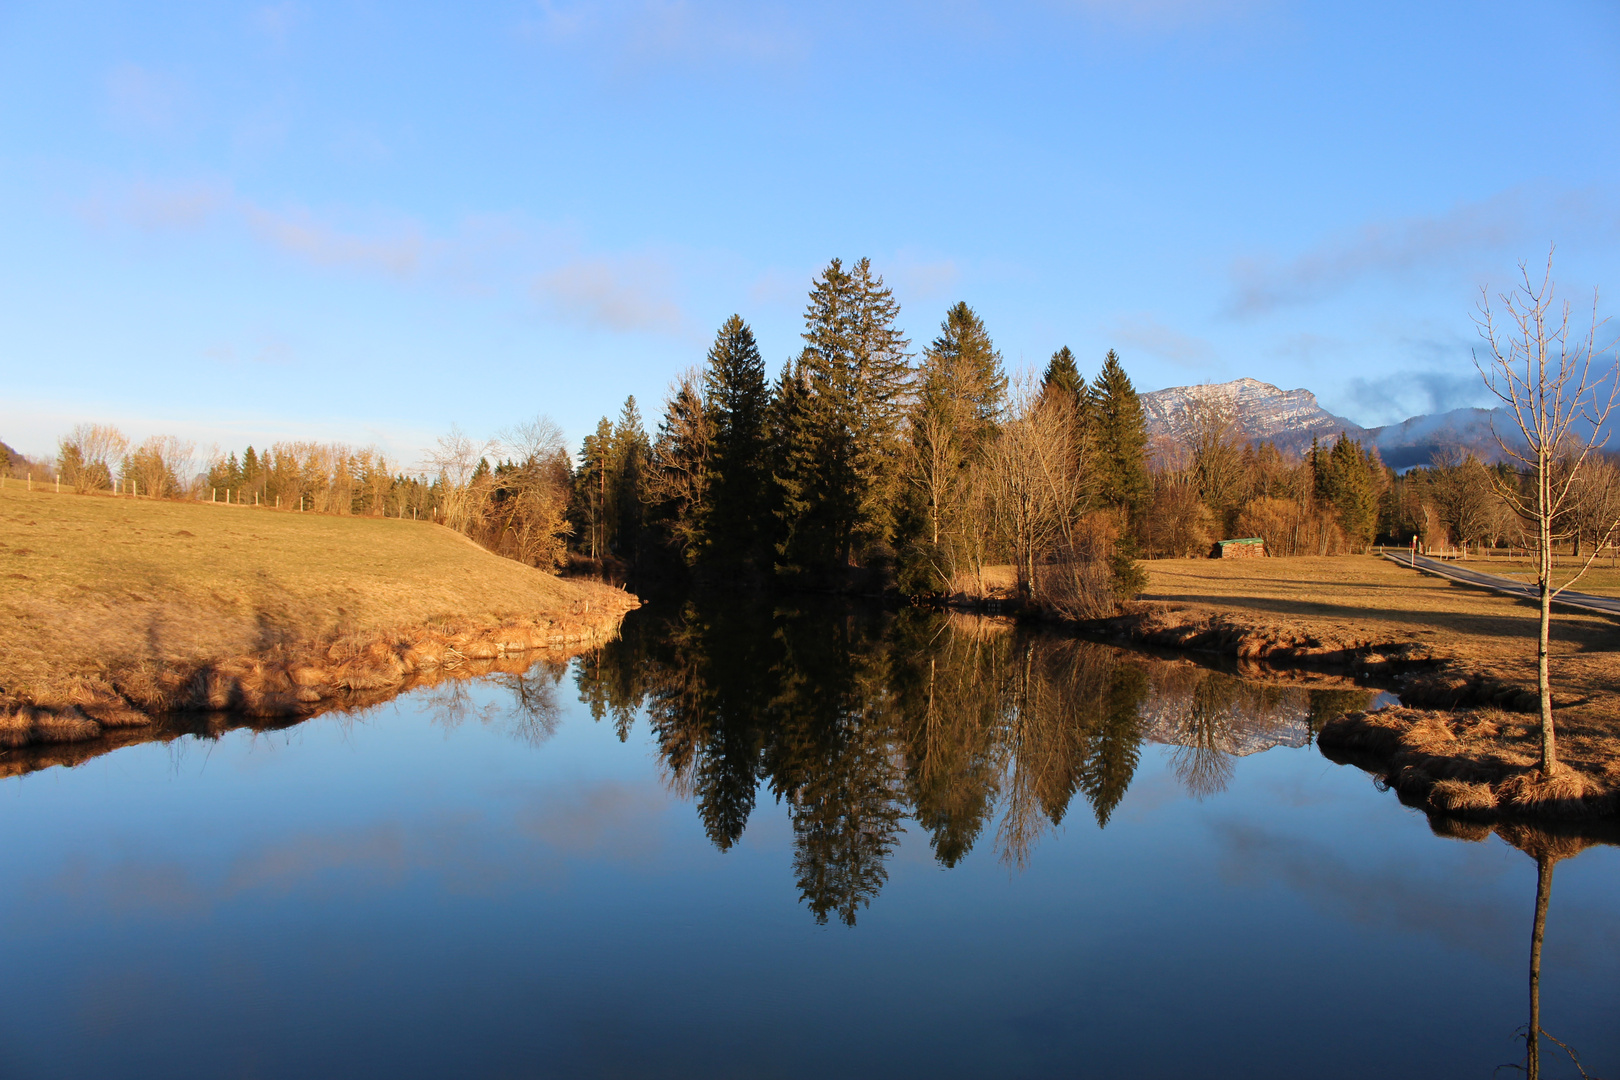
(1551, 377)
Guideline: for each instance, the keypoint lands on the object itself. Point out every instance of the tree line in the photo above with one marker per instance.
(329, 478)
(860, 462)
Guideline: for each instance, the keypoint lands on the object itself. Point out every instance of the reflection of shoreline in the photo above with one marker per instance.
(857, 718)
(442, 684)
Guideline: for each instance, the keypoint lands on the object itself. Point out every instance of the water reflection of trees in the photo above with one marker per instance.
(529, 712)
(858, 719)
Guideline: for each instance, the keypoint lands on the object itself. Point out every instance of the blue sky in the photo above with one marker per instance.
(367, 221)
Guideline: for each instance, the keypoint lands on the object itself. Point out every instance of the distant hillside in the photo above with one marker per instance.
(1290, 419)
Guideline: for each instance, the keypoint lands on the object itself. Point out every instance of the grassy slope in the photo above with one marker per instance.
(94, 584)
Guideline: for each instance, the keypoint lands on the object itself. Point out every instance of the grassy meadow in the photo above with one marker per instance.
(94, 586)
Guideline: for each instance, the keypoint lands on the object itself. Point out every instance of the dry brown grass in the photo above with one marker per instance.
(1480, 764)
(1603, 579)
(112, 608)
(1471, 634)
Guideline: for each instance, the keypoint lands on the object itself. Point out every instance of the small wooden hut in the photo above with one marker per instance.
(1250, 547)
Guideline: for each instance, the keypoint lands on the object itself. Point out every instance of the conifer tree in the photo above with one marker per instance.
(1351, 479)
(1117, 437)
(961, 378)
(882, 378)
(592, 482)
(738, 400)
(679, 479)
(841, 461)
(628, 463)
(1062, 380)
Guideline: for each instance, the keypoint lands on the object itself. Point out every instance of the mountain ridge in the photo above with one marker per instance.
(1292, 419)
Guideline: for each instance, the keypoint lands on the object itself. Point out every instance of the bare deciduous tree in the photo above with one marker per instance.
(1034, 492)
(1549, 375)
(455, 458)
(1460, 488)
(86, 455)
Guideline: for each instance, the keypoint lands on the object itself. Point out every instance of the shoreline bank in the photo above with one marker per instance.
(298, 680)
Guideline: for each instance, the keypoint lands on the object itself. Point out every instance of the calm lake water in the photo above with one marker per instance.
(790, 843)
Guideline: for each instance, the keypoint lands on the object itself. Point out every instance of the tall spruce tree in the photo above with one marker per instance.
(882, 376)
(678, 482)
(1117, 430)
(628, 459)
(1351, 479)
(840, 415)
(1062, 380)
(738, 401)
(961, 378)
(593, 482)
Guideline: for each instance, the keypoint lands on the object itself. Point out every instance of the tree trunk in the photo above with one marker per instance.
(1544, 873)
(1549, 750)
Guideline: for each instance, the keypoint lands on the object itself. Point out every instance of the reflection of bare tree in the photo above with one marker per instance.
(1213, 718)
(954, 714)
(1547, 849)
(1202, 758)
(1074, 724)
(534, 693)
(450, 704)
(531, 715)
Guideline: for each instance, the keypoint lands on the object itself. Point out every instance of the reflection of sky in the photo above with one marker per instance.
(395, 896)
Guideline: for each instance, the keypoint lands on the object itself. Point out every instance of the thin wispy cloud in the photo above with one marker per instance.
(618, 292)
(159, 207)
(276, 22)
(1160, 15)
(1507, 222)
(918, 279)
(612, 294)
(399, 254)
(1146, 332)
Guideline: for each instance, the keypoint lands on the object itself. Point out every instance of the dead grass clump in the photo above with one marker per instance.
(1479, 765)
(1566, 793)
(1461, 798)
(31, 724)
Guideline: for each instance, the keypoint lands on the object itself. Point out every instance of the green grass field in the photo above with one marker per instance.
(93, 584)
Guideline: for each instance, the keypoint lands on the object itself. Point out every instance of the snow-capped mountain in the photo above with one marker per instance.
(1289, 418)
(1292, 418)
